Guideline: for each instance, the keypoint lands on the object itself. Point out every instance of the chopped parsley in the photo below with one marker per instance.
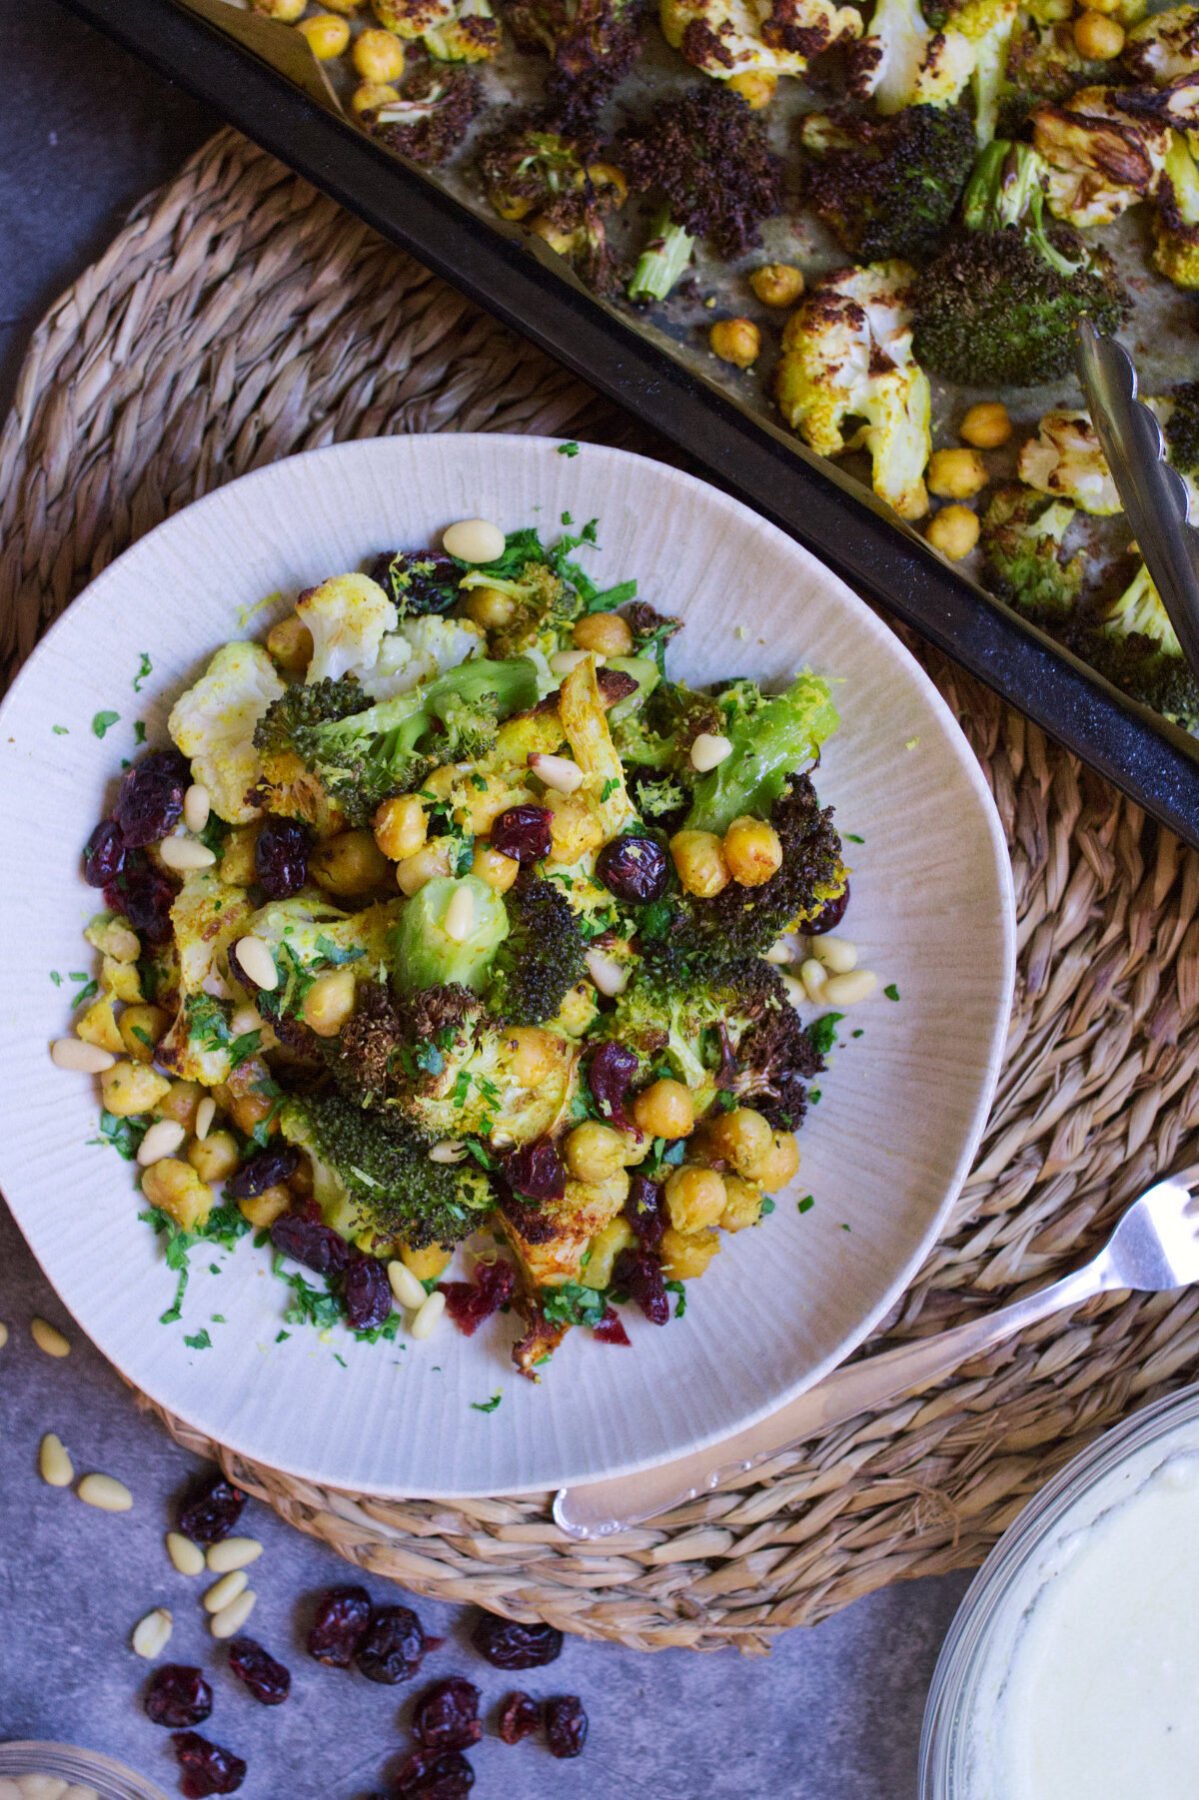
(851, 837)
(572, 1304)
(806, 1204)
(823, 1031)
(680, 1293)
(201, 1341)
(60, 731)
(486, 1406)
(609, 788)
(145, 668)
(767, 1206)
(571, 449)
(104, 721)
(125, 1135)
(309, 1305)
(334, 953)
(56, 978)
(891, 991)
(381, 1334)
(139, 731)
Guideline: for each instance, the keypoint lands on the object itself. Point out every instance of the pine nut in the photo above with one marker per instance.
(229, 1621)
(163, 1139)
(473, 541)
(42, 1787)
(205, 1114)
(557, 772)
(87, 1059)
(814, 975)
(425, 1322)
(709, 750)
(150, 1634)
(196, 807)
(449, 1150)
(54, 1464)
(255, 959)
(609, 976)
(224, 1592)
(847, 990)
(780, 953)
(459, 919)
(105, 1493)
(3, 1334)
(233, 1553)
(563, 661)
(837, 954)
(187, 1557)
(409, 1292)
(185, 854)
(796, 992)
(49, 1340)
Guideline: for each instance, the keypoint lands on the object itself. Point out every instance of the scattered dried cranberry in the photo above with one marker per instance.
(565, 1725)
(281, 857)
(342, 1617)
(523, 833)
(394, 1645)
(610, 1070)
(103, 854)
(419, 581)
(520, 1717)
(425, 1777)
(536, 1171)
(610, 1330)
(447, 1715)
(178, 1696)
(266, 1679)
(645, 1212)
(633, 868)
(266, 1168)
(311, 1242)
(210, 1510)
(469, 1303)
(144, 895)
(366, 1294)
(829, 916)
(509, 1645)
(207, 1768)
(150, 797)
(639, 1273)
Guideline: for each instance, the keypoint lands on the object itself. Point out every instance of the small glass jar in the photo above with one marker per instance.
(84, 1772)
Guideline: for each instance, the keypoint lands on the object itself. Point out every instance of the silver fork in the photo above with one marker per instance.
(1154, 1247)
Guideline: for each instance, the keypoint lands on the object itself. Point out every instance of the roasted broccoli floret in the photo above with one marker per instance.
(1164, 46)
(451, 30)
(591, 45)
(549, 182)
(1182, 428)
(432, 116)
(777, 37)
(1099, 158)
(286, 783)
(888, 187)
(914, 58)
(1176, 221)
(1066, 461)
(1000, 304)
(772, 1062)
(539, 959)
(448, 933)
(1137, 648)
(1022, 533)
(772, 735)
(847, 360)
(374, 1180)
(707, 155)
(1043, 63)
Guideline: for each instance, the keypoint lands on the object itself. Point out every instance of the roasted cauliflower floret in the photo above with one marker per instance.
(420, 650)
(1176, 223)
(463, 32)
(1164, 46)
(904, 61)
(725, 38)
(1101, 158)
(347, 617)
(1065, 460)
(213, 723)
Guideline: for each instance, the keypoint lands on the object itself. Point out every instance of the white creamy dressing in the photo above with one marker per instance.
(1091, 1688)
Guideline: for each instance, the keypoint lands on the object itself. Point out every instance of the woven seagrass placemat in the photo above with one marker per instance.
(240, 317)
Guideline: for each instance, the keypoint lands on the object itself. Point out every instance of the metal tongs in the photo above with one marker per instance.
(1154, 495)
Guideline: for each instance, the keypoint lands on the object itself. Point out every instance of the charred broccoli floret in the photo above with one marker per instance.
(888, 186)
(591, 45)
(774, 1060)
(707, 155)
(772, 735)
(1022, 533)
(1000, 304)
(1137, 648)
(539, 960)
(288, 786)
(1182, 428)
(436, 109)
(549, 182)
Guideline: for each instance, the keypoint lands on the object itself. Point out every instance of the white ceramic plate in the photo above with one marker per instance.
(883, 1153)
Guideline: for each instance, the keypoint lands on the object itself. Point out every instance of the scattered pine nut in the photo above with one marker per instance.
(238, 1552)
(48, 1338)
(185, 854)
(187, 1557)
(254, 957)
(150, 1634)
(838, 955)
(229, 1621)
(449, 1150)
(563, 661)
(780, 953)
(408, 1291)
(847, 990)
(473, 541)
(796, 992)
(557, 772)
(224, 1592)
(205, 1114)
(426, 1320)
(196, 807)
(814, 976)
(709, 750)
(54, 1464)
(459, 919)
(610, 977)
(105, 1493)
(162, 1139)
(85, 1059)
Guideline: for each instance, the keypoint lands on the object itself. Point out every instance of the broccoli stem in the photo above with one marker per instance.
(1007, 188)
(662, 262)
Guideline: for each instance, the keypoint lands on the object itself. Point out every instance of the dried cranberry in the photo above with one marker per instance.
(281, 857)
(425, 1777)
(536, 1170)
(310, 1242)
(103, 854)
(639, 1273)
(645, 1212)
(610, 1330)
(207, 1768)
(144, 895)
(266, 1679)
(609, 1071)
(266, 1168)
(565, 1725)
(150, 798)
(520, 1718)
(419, 581)
(210, 1510)
(509, 1645)
(829, 916)
(447, 1715)
(523, 833)
(366, 1294)
(342, 1617)
(633, 868)
(469, 1303)
(178, 1696)
(394, 1645)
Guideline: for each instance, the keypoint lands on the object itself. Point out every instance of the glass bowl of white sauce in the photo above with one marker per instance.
(1071, 1671)
(31, 1771)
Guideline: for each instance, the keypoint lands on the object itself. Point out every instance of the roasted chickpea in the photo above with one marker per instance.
(141, 1028)
(180, 1102)
(493, 867)
(532, 1054)
(413, 872)
(489, 608)
(700, 863)
(616, 1236)
(743, 1204)
(369, 96)
(120, 980)
(347, 7)
(247, 1107)
(575, 828)
(742, 1138)
(695, 1198)
(263, 1209)
(665, 1109)
(286, 11)
(401, 826)
(685, 1255)
(327, 35)
(428, 1263)
(98, 1025)
(130, 1087)
(594, 1151)
(215, 1157)
(736, 341)
(1097, 38)
(956, 474)
(986, 426)
(329, 1002)
(605, 633)
(290, 644)
(777, 284)
(378, 56)
(351, 864)
(756, 87)
(777, 1169)
(175, 1188)
(753, 851)
(953, 531)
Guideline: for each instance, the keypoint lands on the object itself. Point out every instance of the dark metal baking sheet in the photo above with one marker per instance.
(823, 509)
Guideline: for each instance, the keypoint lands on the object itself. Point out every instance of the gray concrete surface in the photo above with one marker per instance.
(834, 1714)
